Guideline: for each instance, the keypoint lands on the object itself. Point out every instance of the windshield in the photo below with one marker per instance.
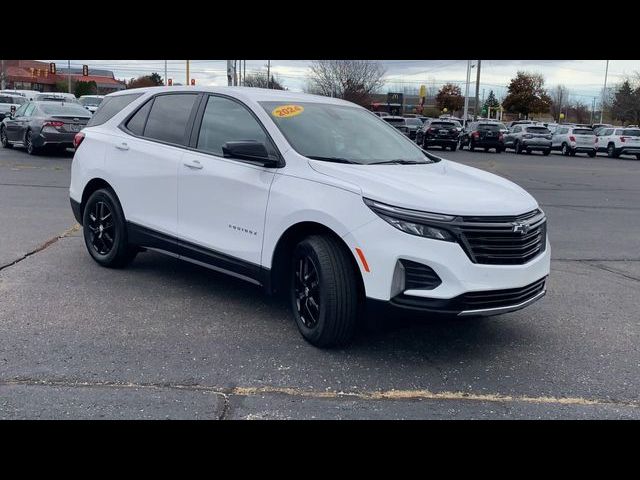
(341, 133)
(51, 108)
(90, 102)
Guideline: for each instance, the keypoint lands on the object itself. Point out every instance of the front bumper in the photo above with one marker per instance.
(383, 246)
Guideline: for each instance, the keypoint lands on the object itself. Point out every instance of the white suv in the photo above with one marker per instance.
(570, 140)
(311, 196)
(618, 141)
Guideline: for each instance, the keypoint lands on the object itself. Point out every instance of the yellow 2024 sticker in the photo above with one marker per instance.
(284, 111)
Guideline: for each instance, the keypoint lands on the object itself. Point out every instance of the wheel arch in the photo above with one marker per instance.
(288, 241)
(91, 186)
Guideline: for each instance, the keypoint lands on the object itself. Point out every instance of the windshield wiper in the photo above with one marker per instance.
(399, 162)
(331, 159)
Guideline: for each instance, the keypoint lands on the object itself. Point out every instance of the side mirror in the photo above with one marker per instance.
(249, 150)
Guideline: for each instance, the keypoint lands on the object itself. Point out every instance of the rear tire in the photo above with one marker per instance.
(565, 150)
(517, 147)
(611, 151)
(472, 147)
(326, 309)
(454, 147)
(105, 230)
(28, 144)
(3, 139)
(546, 153)
(593, 154)
(637, 156)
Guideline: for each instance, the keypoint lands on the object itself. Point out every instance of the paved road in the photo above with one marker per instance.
(167, 339)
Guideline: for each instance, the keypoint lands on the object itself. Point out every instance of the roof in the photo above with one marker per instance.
(246, 93)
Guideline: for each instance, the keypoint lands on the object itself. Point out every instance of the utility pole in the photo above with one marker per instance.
(2, 77)
(229, 72)
(165, 72)
(188, 79)
(475, 111)
(593, 107)
(268, 73)
(604, 90)
(466, 95)
(69, 75)
(244, 72)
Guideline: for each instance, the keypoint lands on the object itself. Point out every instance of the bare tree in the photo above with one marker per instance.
(559, 98)
(352, 80)
(259, 80)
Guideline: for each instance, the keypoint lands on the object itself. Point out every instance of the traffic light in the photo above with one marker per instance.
(170, 81)
(193, 81)
(85, 70)
(52, 68)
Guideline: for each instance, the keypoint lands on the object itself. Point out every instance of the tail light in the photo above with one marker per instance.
(572, 138)
(77, 140)
(53, 124)
(501, 137)
(622, 139)
(476, 134)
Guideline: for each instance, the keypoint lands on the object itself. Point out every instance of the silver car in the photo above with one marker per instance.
(528, 138)
(573, 139)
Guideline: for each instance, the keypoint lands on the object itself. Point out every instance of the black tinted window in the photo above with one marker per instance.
(538, 130)
(110, 106)
(168, 117)
(394, 121)
(137, 122)
(491, 127)
(227, 121)
(442, 124)
(583, 131)
(64, 108)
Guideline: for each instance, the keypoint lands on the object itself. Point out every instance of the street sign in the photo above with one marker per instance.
(395, 98)
(85, 70)
(170, 81)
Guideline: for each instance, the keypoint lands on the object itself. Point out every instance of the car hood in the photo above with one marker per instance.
(443, 187)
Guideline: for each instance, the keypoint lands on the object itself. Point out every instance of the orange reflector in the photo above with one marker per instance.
(362, 259)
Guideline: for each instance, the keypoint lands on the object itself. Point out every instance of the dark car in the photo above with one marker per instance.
(528, 138)
(442, 133)
(9, 102)
(36, 125)
(484, 135)
(399, 122)
(413, 124)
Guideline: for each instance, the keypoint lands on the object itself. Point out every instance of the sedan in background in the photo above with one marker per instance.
(91, 102)
(442, 133)
(36, 125)
(56, 97)
(9, 102)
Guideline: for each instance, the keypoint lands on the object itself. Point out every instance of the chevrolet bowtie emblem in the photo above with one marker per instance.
(522, 228)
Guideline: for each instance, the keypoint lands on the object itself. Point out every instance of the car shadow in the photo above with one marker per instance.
(409, 335)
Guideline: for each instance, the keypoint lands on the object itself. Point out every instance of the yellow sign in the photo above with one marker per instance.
(423, 91)
(285, 111)
(562, 116)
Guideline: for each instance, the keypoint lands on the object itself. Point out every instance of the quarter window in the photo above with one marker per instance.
(168, 117)
(137, 122)
(29, 110)
(226, 120)
(110, 106)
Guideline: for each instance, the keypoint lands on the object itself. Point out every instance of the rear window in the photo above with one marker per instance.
(51, 108)
(491, 127)
(538, 130)
(583, 131)
(397, 121)
(167, 120)
(442, 124)
(631, 133)
(414, 121)
(6, 99)
(110, 106)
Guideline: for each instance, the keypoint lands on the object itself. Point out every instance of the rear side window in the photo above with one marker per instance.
(110, 106)
(168, 117)
(583, 131)
(224, 121)
(136, 124)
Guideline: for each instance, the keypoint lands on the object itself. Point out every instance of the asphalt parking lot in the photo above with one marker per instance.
(167, 339)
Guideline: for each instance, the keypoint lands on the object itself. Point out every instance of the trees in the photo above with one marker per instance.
(526, 94)
(153, 80)
(352, 80)
(259, 80)
(85, 88)
(626, 103)
(450, 97)
(491, 103)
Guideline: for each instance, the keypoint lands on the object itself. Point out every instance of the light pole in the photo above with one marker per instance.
(466, 94)
(604, 90)
(188, 81)
(69, 76)
(475, 110)
(268, 73)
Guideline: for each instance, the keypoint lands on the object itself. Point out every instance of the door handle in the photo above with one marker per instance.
(196, 165)
(122, 146)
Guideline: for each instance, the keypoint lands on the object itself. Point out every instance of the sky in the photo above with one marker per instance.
(583, 78)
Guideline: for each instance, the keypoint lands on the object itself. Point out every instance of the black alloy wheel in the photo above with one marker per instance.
(307, 291)
(101, 228)
(28, 143)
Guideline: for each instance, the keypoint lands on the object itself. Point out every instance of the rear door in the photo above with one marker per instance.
(145, 157)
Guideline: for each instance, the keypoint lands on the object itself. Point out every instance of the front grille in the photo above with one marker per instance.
(501, 298)
(419, 276)
(493, 241)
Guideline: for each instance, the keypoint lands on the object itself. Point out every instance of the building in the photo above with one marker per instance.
(34, 75)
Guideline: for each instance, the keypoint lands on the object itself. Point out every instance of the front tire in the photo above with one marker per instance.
(105, 230)
(3, 139)
(324, 292)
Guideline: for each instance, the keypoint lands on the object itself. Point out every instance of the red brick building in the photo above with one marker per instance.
(34, 75)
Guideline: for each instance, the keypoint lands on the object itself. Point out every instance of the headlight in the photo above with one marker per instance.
(413, 222)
